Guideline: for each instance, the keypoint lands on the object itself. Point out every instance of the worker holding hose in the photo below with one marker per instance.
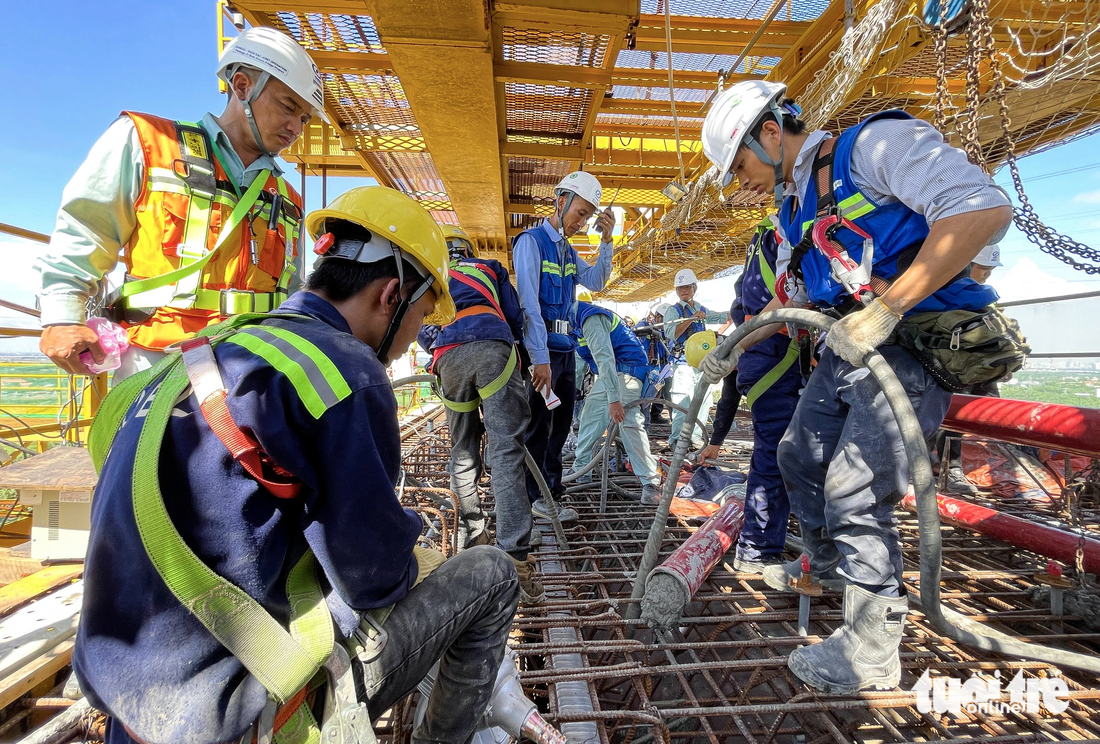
(251, 573)
(770, 379)
(477, 360)
(617, 358)
(199, 213)
(684, 375)
(548, 271)
(875, 224)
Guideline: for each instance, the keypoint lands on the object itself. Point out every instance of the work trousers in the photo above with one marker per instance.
(684, 379)
(504, 416)
(844, 465)
(767, 509)
(460, 615)
(548, 430)
(595, 418)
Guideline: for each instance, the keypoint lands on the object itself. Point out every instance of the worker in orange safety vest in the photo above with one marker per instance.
(199, 213)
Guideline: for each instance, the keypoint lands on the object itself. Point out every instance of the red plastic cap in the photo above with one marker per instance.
(323, 244)
(805, 563)
(1054, 568)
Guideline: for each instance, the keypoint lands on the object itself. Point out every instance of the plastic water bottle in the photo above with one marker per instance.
(113, 341)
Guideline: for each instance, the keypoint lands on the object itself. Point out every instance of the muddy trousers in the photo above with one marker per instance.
(504, 416)
(845, 469)
(461, 615)
(596, 417)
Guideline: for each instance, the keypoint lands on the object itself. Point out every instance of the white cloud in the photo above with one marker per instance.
(1026, 281)
(1088, 197)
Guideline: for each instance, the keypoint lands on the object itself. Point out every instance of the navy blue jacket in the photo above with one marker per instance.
(485, 326)
(140, 655)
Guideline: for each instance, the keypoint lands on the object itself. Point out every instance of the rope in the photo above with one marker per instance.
(672, 87)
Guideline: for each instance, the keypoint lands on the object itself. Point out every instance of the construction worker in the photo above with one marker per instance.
(547, 272)
(983, 264)
(684, 376)
(769, 377)
(199, 212)
(477, 360)
(253, 474)
(651, 333)
(616, 357)
(926, 213)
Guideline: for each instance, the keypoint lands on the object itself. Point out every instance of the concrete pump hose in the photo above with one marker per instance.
(948, 622)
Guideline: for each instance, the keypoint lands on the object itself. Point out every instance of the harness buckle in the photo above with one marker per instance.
(560, 326)
(236, 302)
(200, 179)
(346, 720)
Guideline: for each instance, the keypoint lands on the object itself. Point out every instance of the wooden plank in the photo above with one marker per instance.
(20, 682)
(59, 469)
(37, 584)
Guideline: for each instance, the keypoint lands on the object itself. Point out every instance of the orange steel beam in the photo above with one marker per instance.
(715, 35)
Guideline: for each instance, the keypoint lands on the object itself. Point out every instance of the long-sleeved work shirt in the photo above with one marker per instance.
(97, 216)
(528, 267)
(597, 334)
(900, 160)
(140, 654)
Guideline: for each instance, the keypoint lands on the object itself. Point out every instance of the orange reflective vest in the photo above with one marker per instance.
(182, 273)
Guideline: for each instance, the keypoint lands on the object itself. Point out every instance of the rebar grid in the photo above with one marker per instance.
(722, 675)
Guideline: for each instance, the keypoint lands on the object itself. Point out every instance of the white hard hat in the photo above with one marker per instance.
(277, 55)
(684, 278)
(583, 184)
(990, 256)
(661, 308)
(732, 115)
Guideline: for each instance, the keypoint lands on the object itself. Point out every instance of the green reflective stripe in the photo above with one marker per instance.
(551, 268)
(281, 663)
(767, 273)
(614, 322)
(131, 289)
(165, 180)
(856, 206)
(480, 276)
(806, 226)
(570, 268)
(315, 378)
(501, 380)
(764, 383)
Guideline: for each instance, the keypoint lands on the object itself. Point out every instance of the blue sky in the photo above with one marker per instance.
(61, 91)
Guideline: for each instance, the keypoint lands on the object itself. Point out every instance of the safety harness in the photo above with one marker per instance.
(287, 662)
(476, 279)
(195, 175)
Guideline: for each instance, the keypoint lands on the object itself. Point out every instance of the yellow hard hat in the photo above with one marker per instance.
(584, 296)
(698, 346)
(394, 220)
(458, 240)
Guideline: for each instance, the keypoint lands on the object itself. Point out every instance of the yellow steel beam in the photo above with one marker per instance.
(443, 56)
(607, 17)
(654, 78)
(562, 75)
(715, 35)
(647, 130)
(546, 152)
(351, 62)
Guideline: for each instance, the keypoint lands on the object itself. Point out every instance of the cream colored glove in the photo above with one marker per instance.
(426, 562)
(714, 369)
(854, 335)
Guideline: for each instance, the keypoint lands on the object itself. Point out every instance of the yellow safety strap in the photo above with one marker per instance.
(764, 383)
(485, 392)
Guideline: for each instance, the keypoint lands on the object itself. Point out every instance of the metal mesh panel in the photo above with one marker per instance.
(370, 103)
(412, 172)
(554, 47)
(689, 95)
(798, 10)
(532, 180)
(331, 32)
(546, 108)
(683, 61)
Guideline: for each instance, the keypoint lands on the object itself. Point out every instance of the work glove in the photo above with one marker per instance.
(854, 335)
(426, 562)
(714, 369)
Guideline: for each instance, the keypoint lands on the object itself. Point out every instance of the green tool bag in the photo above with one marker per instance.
(960, 348)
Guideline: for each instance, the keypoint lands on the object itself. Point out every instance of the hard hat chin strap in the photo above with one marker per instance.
(561, 215)
(758, 150)
(402, 307)
(247, 104)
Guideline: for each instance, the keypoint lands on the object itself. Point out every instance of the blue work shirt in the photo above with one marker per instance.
(482, 326)
(528, 266)
(140, 655)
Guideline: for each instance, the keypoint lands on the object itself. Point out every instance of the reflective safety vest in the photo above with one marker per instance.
(557, 288)
(286, 661)
(630, 356)
(202, 250)
(897, 231)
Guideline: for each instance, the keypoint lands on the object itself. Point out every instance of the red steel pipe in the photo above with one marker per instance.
(1022, 533)
(1064, 428)
(692, 562)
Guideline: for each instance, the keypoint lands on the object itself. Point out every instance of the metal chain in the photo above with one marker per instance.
(939, 109)
(981, 46)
